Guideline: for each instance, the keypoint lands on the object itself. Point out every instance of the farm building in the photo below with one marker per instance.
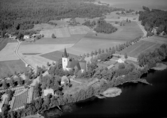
(64, 80)
(26, 37)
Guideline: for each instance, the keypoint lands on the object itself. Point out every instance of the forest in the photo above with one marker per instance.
(104, 27)
(154, 18)
(20, 15)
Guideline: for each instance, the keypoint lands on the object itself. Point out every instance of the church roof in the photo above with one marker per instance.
(72, 63)
(65, 53)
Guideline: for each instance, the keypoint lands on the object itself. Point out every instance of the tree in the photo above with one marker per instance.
(53, 36)
(4, 84)
(125, 56)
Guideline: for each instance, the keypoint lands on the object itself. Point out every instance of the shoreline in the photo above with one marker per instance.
(160, 66)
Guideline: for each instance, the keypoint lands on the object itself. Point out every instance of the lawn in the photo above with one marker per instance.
(140, 47)
(124, 33)
(56, 55)
(11, 66)
(20, 100)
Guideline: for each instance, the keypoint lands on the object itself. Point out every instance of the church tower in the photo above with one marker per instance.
(65, 59)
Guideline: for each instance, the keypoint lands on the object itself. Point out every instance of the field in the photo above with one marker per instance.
(124, 33)
(42, 48)
(20, 100)
(11, 66)
(56, 55)
(3, 43)
(66, 40)
(138, 48)
(7, 53)
(156, 39)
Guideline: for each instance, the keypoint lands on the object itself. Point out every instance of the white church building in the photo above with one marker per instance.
(71, 63)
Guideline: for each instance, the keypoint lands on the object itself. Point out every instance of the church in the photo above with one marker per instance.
(73, 64)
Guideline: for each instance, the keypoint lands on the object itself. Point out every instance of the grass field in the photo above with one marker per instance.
(56, 55)
(65, 40)
(7, 53)
(86, 45)
(11, 66)
(20, 100)
(156, 39)
(42, 48)
(138, 48)
(125, 33)
(3, 43)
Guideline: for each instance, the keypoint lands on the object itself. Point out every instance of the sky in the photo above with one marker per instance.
(137, 4)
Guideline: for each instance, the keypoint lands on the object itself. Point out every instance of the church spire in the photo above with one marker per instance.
(65, 53)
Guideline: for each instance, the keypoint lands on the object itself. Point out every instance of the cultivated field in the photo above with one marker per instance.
(20, 100)
(78, 29)
(66, 40)
(156, 39)
(7, 53)
(3, 43)
(42, 48)
(138, 48)
(56, 55)
(11, 66)
(86, 45)
(36, 60)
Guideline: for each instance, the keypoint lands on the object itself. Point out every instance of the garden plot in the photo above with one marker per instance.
(7, 53)
(19, 101)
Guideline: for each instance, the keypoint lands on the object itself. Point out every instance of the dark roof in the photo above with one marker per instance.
(65, 53)
(72, 63)
(82, 65)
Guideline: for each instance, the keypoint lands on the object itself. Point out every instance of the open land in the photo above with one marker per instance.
(7, 53)
(11, 66)
(144, 45)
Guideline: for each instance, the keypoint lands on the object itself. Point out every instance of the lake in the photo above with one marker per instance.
(135, 100)
(137, 4)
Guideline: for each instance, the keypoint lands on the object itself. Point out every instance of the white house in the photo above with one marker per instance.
(26, 37)
(121, 60)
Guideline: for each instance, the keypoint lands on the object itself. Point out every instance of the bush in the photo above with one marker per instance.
(53, 36)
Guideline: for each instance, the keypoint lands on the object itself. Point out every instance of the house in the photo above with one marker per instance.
(121, 60)
(26, 37)
(70, 63)
(48, 91)
(65, 80)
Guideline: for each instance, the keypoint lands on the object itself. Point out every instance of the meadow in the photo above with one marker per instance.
(11, 66)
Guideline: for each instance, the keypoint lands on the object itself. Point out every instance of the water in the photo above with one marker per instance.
(135, 100)
(137, 4)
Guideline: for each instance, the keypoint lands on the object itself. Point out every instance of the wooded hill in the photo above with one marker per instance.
(154, 18)
(22, 14)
